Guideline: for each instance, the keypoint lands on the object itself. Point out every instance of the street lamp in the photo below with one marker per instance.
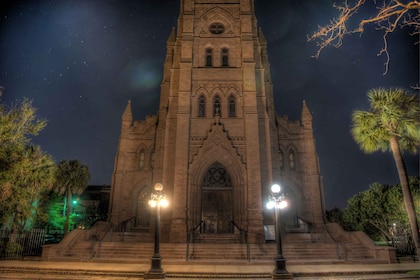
(278, 201)
(157, 199)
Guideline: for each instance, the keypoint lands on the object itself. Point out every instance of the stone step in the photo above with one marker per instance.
(127, 250)
(176, 253)
(266, 251)
(299, 238)
(297, 247)
(217, 251)
(131, 236)
(217, 238)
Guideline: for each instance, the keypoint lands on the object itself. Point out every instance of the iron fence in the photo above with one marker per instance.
(402, 240)
(14, 246)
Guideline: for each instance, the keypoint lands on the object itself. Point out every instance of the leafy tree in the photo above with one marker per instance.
(26, 172)
(335, 215)
(391, 124)
(375, 210)
(72, 178)
(415, 190)
(17, 124)
(52, 207)
(352, 219)
(369, 212)
(387, 18)
(30, 176)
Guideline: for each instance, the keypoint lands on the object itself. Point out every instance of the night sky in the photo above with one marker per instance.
(81, 61)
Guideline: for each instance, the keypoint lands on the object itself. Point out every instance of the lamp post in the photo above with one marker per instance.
(277, 201)
(157, 199)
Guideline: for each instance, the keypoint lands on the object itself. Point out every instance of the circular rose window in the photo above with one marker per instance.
(217, 28)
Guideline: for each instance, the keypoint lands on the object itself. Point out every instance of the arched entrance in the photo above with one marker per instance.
(217, 200)
(143, 209)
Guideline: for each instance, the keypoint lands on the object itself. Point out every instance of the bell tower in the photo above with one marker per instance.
(217, 84)
(216, 143)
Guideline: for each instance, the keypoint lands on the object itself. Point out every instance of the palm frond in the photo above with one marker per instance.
(393, 112)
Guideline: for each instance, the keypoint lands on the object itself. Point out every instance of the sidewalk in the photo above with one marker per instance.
(204, 271)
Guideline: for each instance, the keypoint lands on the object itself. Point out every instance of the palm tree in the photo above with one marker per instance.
(72, 178)
(392, 123)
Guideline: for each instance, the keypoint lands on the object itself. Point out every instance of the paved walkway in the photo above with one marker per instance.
(90, 270)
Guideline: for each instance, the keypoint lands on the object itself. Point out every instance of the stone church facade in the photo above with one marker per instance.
(216, 143)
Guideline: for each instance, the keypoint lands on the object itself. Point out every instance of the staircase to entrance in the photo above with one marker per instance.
(138, 247)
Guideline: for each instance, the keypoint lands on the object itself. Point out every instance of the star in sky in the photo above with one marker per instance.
(81, 61)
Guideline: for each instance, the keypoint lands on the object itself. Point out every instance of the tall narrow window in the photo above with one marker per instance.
(225, 57)
(209, 57)
(141, 159)
(216, 106)
(292, 160)
(232, 106)
(202, 106)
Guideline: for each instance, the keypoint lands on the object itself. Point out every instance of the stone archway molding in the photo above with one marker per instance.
(217, 147)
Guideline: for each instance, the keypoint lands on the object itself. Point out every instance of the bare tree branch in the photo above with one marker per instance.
(392, 14)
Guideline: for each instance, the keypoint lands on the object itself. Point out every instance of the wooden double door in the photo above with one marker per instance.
(217, 211)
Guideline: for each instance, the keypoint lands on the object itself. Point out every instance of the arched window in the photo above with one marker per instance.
(141, 159)
(292, 164)
(281, 160)
(217, 106)
(225, 57)
(217, 177)
(232, 106)
(202, 106)
(209, 57)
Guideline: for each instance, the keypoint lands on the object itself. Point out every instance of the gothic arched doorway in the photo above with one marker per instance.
(217, 200)
(143, 209)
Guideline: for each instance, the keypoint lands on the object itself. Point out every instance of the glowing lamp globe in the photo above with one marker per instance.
(158, 187)
(283, 204)
(152, 203)
(164, 202)
(275, 188)
(271, 204)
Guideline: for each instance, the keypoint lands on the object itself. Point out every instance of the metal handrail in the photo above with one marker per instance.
(191, 238)
(122, 226)
(337, 243)
(97, 240)
(243, 233)
(194, 230)
(243, 239)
